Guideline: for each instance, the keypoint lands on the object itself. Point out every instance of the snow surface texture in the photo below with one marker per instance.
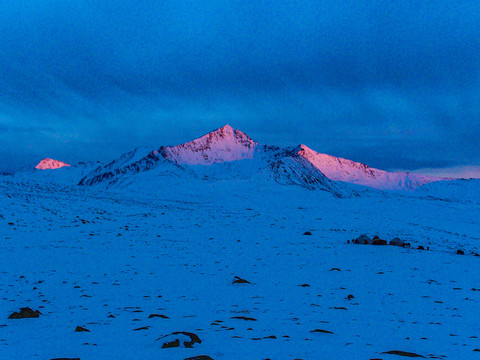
(106, 261)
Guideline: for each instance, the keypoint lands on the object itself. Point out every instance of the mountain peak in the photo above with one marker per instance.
(220, 145)
(226, 127)
(224, 133)
(48, 164)
(302, 148)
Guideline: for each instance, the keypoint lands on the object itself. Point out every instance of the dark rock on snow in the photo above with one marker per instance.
(244, 318)
(81, 329)
(175, 339)
(239, 280)
(25, 313)
(403, 353)
(321, 331)
(158, 315)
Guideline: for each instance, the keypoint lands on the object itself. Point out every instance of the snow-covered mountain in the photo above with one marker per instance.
(50, 164)
(226, 154)
(200, 158)
(340, 169)
(223, 154)
(270, 164)
(223, 144)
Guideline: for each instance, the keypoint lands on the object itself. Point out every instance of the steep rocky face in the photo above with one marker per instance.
(48, 164)
(127, 164)
(297, 171)
(223, 144)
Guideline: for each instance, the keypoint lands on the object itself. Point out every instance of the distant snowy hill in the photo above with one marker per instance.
(457, 190)
(200, 158)
(50, 164)
(52, 172)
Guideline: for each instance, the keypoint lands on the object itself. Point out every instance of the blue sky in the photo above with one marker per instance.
(395, 85)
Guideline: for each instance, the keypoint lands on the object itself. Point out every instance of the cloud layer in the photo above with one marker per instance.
(391, 84)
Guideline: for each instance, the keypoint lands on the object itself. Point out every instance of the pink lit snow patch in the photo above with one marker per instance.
(49, 164)
(339, 169)
(221, 145)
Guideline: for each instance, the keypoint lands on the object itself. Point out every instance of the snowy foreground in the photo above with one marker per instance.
(107, 260)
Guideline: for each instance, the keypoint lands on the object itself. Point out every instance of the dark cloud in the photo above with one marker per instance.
(334, 75)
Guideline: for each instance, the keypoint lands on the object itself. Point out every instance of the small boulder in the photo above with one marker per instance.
(239, 280)
(307, 233)
(321, 331)
(25, 313)
(81, 329)
(200, 357)
(171, 344)
(158, 315)
(420, 247)
(246, 318)
(403, 353)
(142, 328)
(179, 339)
(460, 252)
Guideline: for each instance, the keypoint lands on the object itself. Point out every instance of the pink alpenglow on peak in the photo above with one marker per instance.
(221, 145)
(340, 169)
(49, 164)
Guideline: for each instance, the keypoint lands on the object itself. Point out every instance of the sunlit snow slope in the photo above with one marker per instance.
(49, 164)
(223, 144)
(350, 171)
